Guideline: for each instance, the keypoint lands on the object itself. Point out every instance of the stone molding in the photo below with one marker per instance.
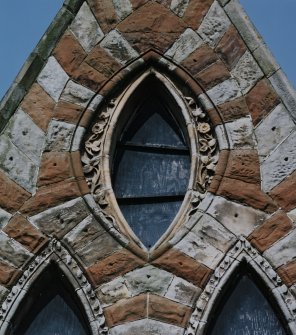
(57, 253)
(242, 252)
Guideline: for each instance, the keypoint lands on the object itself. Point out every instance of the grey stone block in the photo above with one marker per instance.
(53, 78)
(280, 164)
(123, 8)
(26, 135)
(17, 165)
(179, 7)
(273, 130)
(184, 46)
(59, 136)
(77, 94)
(148, 279)
(78, 138)
(86, 28)
(4, 217)
(214, 25)
(265, 59)
(118, 47)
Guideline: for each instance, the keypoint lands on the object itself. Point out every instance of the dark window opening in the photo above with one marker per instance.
(245, 310)
(152, 163)
(50, 307)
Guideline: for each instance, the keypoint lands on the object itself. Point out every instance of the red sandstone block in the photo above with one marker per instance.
(67, 112)
(69, 53)
(270, 231)
(138, 3)
(25, 233)
(113, 266)
(8, 274)
(89, 77)
(39, 106)
(184, 266)
(284, 194)
(12, 196)
(195, 12)
(288, 273)
(126, 310)
(261, 100)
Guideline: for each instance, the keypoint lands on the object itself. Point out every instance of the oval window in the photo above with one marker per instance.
(151, 165)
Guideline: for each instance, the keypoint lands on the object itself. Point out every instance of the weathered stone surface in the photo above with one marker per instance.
(86, 231)
(165, 310)
(118, 47)
(60, 219)
(113, 291)
(152, 26)
(12, 252)
(17, 165)
(271, 231)
(214, 25)
(184, 266)
(280, 252)
(182, 291)
(26, 135)
(105, 13)
(113, 266)
(4, 217)
(55, 167)
(267, 62)
(138, 3)
(200, 59)
(7, 274)
(68, 112)
(280, 164)
(288, 273)
(195, 247)
(12, 196)
(241, 134)
(226, 91)
(213, 75)
(59, 136)
(273, 130)
(246, 193)
(195, 12)
(238, 219)
(231, 47)
(261, 100)
(25, 233)
(247, 72)
(126, 310)
(179, 7)
(78, 139)
(123, 8)
(100, 60)
(146, 327)
(53, 78)
(86, 29)
(284, 194)
(184, 46)
(39, 106)
(99, 248)
(77, 94)
(243, 165)
(148, 279)
(69, 53)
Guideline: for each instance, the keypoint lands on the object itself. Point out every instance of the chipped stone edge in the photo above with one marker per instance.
(261, 53)
(37, 59)
(241, 252)
(57, 253)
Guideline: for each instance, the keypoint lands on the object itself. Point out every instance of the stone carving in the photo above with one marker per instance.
(208, 153)
(55, 251)
(242, 251)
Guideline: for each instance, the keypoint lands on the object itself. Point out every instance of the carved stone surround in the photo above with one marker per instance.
(98, 148)
(56, 253)
(241, 252)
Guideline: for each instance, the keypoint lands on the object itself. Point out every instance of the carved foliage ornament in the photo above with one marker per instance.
(204, 165)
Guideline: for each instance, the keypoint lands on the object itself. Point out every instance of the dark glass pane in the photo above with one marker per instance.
(150, 221)
(150, 174)
(50, 308)
(56, 318)
(159, 128)
(247, 312)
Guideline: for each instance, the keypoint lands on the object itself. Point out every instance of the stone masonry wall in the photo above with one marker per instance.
(249, 213)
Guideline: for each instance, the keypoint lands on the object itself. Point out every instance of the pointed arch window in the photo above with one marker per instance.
(151, 166)
(246, 310)
(50, 308)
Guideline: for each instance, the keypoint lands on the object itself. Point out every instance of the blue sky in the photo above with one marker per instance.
(22, 23)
